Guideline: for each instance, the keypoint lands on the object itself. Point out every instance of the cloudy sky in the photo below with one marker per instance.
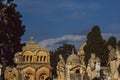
(48, 20)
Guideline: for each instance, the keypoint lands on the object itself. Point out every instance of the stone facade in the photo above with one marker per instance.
(74, 68)
(33, 63)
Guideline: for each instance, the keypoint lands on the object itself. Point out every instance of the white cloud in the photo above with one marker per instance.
(77, 40)
(107, 35)
(52, 44)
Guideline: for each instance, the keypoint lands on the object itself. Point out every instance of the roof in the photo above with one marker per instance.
(73, 58)
(32, 46)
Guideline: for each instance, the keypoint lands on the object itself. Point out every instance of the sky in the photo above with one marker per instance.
(48, 20)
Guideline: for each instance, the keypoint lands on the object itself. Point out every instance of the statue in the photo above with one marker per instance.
(17, 57)
(93, 67)
(89, 71)
(61, 68)
(114, 61)
(112, 52)
(117, 56)
(97, 68)
(117, 63)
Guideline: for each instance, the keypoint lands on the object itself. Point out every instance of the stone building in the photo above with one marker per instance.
(74, 68)
(32, 63)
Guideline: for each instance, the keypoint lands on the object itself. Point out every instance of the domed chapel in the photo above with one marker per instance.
(73, 68)
(33, 63)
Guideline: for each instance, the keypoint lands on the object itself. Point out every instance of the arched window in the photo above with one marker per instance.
(24, 58)
(27, 58)
(37, 58)
(41, 58)
(44, 58)
(31, 58)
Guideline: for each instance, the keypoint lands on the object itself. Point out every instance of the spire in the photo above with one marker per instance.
(73, 51)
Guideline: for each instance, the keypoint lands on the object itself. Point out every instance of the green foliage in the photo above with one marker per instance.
(112, 41)
(65, 50)
(118, 43)
(54, 60)
(11, 30)
(95, 44)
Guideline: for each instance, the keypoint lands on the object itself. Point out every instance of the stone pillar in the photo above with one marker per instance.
(68, 74)
(19, 74)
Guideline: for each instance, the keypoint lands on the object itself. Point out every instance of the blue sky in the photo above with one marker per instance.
(45, 19)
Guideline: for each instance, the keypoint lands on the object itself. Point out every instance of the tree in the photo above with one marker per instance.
(112, 41)
(11, 30)
(118, 43)
(65, 50)
(53, 61)
(95, 44)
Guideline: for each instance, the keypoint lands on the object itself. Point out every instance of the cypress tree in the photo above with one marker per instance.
(11, 31)
(95, 44)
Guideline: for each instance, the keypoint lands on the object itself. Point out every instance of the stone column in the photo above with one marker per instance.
(19, 74)
(68, 74)
(81, 72)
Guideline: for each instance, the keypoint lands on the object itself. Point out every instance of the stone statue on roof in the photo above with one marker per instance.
(61, 68)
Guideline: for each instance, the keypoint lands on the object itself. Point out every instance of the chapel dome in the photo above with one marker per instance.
(73, 59)
(32, 46)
